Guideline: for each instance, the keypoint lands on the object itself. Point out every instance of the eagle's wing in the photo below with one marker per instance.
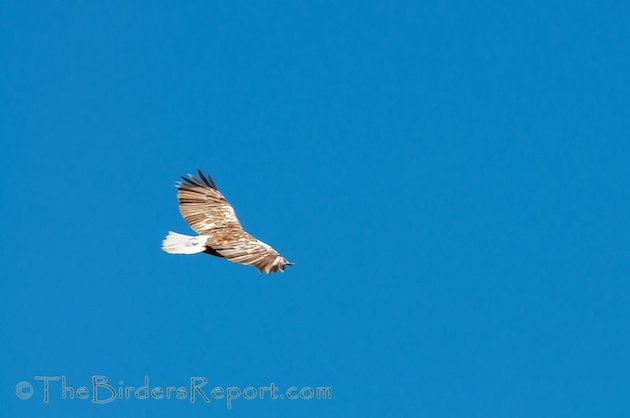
(240, 247)
(203, 206)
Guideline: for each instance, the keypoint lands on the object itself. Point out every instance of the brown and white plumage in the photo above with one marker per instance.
(220, 233)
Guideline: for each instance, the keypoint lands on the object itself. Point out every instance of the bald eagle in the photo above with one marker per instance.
(220, 233)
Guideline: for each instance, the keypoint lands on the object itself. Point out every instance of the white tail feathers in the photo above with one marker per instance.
(175, 243)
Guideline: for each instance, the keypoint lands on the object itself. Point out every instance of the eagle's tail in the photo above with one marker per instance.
(175, 243)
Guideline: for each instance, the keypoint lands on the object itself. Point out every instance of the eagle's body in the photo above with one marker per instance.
(220, 233)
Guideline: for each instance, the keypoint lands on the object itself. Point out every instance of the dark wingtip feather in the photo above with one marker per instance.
(187, 182)
(196, 180)
(207, 179)
(203, 178)
(191, 180)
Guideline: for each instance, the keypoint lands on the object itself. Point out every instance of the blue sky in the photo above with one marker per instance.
(450, 178)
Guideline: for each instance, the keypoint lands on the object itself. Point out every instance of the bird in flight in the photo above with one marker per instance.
(220, 233)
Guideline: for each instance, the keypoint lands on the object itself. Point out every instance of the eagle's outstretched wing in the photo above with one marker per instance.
(203, 206)
(240, 247)
(210, 215)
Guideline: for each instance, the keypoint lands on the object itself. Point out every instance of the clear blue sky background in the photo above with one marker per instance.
(451, 179)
